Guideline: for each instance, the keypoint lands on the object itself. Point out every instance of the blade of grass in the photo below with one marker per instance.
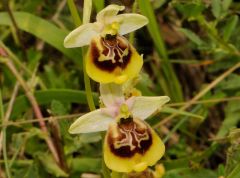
(86, 18)
(44, 30)
(45, 97)
(179, 124)
(98, 4)
(168, 72)
(4, 141)
(74, 12)
(201, 93)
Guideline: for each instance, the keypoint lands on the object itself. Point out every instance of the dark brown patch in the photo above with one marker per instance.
(108, 65)
(125, 151)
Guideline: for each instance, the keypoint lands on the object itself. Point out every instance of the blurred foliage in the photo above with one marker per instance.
(187, 45)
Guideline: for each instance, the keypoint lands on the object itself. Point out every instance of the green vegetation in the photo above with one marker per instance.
(191, 51)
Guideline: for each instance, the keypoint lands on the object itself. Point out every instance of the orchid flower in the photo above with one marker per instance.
(130, 143)
(110, 58)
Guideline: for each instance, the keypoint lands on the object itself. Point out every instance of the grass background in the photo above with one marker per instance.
(191, 53)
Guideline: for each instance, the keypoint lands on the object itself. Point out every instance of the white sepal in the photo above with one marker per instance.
(108, 12)
(144, 107)
(130, 22)
(82, 35)
(94, 121)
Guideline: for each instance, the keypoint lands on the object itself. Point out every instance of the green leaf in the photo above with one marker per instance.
(43, 30)
(216, 8)
(230, 27)
(233, 155)
(45, 97)
(226, 4)
(190, 173)
(31, 171)
(192, 36)
(232, 82)
(98, 4)
(231, 118)
(185, 113)
(174, 89)
(190, 10)
(57, 108)
(50, 165)
(235, 173)
(86, 165)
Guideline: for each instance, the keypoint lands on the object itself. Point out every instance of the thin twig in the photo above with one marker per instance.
(200, 94)
(35, 106)
(4, 139)
(9, 110)
(6, 5)
(216, 100)
(70, 116)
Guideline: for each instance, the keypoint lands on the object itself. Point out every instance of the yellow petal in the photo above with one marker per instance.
(124, 152)
(112, 60)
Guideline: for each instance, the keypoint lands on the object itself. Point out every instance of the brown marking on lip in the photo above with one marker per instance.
(139, 147)
(108, 65)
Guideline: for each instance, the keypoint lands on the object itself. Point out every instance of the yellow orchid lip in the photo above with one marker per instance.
(112, 59)
(131, 145)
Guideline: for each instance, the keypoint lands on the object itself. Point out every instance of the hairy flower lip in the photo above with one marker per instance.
(129, 138)
(110, 55)
(116, 63)
(124, 154)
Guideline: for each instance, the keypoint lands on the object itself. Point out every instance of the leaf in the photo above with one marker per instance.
(190, 10)
(192, 36)
(190, 173)
(232, 82)
(233, 155)
(174, 89)
(231, 118)
(86, 165)
(57, 108)
(45, 97)
(98, 4)
(50, 165)
(43, 30)
(236, 172)
(29, 172)
(170, 110)
(230, 27)
(226, 4)
(216, 8)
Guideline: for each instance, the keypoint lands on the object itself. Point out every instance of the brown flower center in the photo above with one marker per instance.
(110, 53)
(128, 137)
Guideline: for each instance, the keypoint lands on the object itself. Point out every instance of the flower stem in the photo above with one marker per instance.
(77, 21)
(87, 84)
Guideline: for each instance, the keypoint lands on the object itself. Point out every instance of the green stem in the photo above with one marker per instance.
(77, 22)
(87, 84)
(132, 35)
(4, 139)
(105, 171)
(73, 10)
